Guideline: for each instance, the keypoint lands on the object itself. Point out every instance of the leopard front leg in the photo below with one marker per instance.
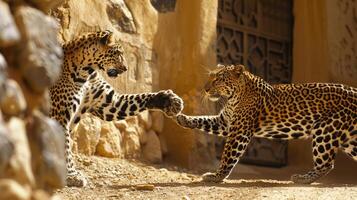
(233, 149)
(74, 178)
(216, 125)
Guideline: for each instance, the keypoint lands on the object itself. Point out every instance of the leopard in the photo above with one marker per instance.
(323, 112)
(82, 88)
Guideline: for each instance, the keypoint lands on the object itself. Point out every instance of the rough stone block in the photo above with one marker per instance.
(41, 54)
(157, 121)
(120, 16)
(47, 143)
(152, 149)
(110, 141)
(12, 100)
(86, 135)
(19, 168)
(131, 143)
(9, 33)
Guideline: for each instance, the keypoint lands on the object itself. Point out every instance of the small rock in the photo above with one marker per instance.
(86, 135)
(157, 121)
(12, 101)
(11, 189)
(186, 197)
(148, 187)
(152, 150)
(41, 54)
(87, 162)
(46, 142)
(131, 143)
(9, 33)
(109, 144)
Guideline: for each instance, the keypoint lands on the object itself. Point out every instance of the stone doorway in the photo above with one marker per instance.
(258, 34)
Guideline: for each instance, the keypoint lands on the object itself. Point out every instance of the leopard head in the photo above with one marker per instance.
(97, 51)
(224, 81)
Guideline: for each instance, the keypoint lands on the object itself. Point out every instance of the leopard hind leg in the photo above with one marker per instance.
(324, 148)
(350, 146)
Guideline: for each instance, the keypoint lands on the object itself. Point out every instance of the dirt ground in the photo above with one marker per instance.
(131, 179)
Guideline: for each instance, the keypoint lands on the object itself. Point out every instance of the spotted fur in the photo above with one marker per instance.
(325, 112)
(82, 89)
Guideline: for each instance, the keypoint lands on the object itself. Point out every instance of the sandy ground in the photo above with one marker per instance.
(130, 179)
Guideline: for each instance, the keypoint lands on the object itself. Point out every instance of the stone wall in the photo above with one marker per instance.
(325, 41)
(32, 163)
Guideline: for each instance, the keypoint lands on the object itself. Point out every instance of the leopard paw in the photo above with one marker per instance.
(301, 179)
(174, 105)
(212, 177)
(76, 180)
(183, 121)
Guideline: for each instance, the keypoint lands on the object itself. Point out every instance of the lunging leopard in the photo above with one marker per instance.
(325, 112)
(82, 89)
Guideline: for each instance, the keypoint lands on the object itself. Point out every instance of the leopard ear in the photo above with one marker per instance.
(106, 37)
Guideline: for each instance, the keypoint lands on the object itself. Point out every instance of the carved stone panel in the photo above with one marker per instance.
(258, 34)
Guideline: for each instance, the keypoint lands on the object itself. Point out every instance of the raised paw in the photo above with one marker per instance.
(184, 121)
(211, 177)
(76, 180)
(302, 179)
(168, 102)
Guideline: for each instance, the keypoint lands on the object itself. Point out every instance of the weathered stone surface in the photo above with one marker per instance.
(122, 125)
(120, 16)
(164, 6)
(157, 121)
(3, 74)
(46, 5)
(12, 100)
(41, 54)
(7, 147)
(11, 189)
(142, 135)
(145, 119)
(131, 143)
(152, 149)
(86, 135)
(9, 33)
(109, 144)
(163, 145)
(46, 142)
(19, 168)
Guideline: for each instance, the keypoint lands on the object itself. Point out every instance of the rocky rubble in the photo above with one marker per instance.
(136, 137)
(32, 163)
